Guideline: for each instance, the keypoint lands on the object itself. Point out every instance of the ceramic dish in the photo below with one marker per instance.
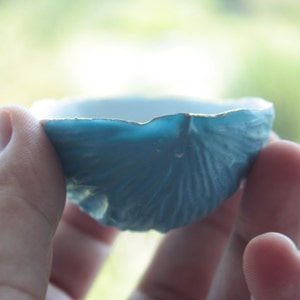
(140, 164)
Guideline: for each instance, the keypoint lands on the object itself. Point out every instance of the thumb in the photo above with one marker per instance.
(32, 196)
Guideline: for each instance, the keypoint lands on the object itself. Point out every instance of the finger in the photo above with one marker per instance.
(81, 246)
(270, 203)
(32, 198)
(185, 262)
(187, 258)
(272, 267)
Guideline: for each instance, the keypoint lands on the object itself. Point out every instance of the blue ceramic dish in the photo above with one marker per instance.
(141, 164)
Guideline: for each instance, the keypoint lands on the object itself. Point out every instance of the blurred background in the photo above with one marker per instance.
(101, 48)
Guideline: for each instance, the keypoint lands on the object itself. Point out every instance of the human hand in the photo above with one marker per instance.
(244, 250)
(32, 198)
(221, 257)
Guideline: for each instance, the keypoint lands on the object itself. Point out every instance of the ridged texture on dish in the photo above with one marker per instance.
(158, 175)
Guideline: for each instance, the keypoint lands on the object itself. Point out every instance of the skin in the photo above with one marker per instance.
(247, 248)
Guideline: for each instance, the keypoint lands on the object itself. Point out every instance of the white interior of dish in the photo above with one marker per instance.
(139, 109)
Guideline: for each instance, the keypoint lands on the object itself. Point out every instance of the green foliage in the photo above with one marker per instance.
(275, 76)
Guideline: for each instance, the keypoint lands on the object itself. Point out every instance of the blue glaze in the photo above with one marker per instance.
(161, 174)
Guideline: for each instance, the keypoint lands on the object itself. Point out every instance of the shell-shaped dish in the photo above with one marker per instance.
(141, 164)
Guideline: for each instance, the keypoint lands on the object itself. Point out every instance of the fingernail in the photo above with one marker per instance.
(5, 129)
(288, 239)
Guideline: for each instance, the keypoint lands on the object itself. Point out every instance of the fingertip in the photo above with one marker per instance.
(271, 265)
(30, 163)
(266, 245)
